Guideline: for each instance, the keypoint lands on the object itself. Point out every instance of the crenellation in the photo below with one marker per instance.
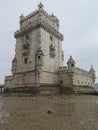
(82, 72)
(35, 25)
(22, 18)
(63, 70)
(25, 18)
(50, 17)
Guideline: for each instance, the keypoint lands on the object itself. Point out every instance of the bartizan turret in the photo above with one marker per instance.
(92, 71)
(71, 64)
(40, 7)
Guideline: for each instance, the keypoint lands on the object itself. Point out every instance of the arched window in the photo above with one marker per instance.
(25, 60)
(72, 65)
(39, 57)
(27, 37)
(51, 38)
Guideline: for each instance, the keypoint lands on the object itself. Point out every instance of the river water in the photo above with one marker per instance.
(66, 112)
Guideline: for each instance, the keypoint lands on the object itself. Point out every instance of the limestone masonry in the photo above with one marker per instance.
(39, 56)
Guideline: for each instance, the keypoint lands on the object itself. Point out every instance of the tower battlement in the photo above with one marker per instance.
(40, 11)
(36, 24)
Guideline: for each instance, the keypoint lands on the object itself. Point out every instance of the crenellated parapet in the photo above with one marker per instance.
(51, 17)
(39, 11)
(25, 18)
(62, 70)
(82, 72)
(37, 19)
(37, 24)
(75, 70)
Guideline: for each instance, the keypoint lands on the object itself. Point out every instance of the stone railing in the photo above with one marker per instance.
(51, 17)
(63, 69)
(75, 70)
(29, 16)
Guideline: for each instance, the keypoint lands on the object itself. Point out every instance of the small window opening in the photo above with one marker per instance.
(39, 57)
(51, 38)
(61, 82)
(27, 37)
(25, 60)
(62, 57)
(22, 24)
(72, 65)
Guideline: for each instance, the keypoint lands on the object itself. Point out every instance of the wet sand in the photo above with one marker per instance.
(66, 112)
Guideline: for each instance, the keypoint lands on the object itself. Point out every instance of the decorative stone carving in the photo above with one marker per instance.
(35, 25)
(26, 46)
(14, 65)
(25, 53)
(39, 57)
(52, 51)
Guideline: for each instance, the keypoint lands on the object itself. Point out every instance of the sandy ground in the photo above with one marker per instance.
(66, 112)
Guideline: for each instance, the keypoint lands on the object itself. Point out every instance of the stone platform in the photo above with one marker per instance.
(51, 90)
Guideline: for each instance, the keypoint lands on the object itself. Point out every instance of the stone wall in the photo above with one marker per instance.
(75, 77)
(9, 82)
(48, 78)
(51, 64)
(20, 56)
(82, 80)
(20, 80)
(65, 79)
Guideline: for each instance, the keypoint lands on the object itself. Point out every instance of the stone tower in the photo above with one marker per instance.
(39, 56)
(38, 53)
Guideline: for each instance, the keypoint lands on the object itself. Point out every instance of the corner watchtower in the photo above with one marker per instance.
(71, 63)
(40, 7)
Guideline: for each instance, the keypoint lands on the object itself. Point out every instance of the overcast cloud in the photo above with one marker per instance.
(78, 24)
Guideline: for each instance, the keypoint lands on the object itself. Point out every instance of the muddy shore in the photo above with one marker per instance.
(62, 112)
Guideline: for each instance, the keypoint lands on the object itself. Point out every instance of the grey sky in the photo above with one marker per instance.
(78, 24)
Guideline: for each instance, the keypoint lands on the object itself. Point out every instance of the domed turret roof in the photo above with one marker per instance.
(70, 60)
(40, 6)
